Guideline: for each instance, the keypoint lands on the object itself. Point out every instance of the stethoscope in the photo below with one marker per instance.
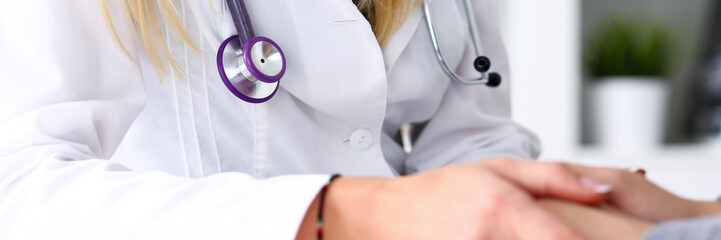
(252, 66)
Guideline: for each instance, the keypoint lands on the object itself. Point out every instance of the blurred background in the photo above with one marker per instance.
(623, 83)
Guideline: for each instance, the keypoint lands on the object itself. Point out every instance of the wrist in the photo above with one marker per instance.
(307, 226)
(351, 207)
(702, 208)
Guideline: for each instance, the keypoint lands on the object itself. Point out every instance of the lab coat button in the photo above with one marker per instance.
(361, 139)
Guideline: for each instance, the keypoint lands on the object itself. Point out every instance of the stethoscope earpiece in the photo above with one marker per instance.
(494, 79)
(482, 64)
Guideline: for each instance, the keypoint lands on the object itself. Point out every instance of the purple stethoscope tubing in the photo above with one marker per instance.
(256, 63)
(241, 20)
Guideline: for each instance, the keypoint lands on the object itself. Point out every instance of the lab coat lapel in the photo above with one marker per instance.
(335, 64)
(400, 39)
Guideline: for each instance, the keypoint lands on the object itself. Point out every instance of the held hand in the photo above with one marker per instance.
(493, 199)
(633, 194)
(595, 223)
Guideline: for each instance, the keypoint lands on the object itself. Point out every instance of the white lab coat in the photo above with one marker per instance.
(94, 146)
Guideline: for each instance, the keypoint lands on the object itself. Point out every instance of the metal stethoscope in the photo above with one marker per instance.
(252, 66)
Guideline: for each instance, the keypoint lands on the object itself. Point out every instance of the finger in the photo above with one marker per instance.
(603, 173)
(637, 170)
(533, 222)
(551, 179)
(625, 184)
(621, 180)
(634, 194)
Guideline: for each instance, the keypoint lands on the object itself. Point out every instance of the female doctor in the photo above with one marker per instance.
(116, 123)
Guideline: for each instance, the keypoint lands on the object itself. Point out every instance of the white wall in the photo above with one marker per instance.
(542, 38)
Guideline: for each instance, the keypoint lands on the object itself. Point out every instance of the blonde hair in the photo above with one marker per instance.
(385, 17)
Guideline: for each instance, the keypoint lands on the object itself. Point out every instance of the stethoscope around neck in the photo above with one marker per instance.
(251, 66)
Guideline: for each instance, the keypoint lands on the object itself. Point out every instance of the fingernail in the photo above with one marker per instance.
(637, 170)
(596, 186)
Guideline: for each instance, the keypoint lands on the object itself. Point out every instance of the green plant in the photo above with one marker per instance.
(625, 47)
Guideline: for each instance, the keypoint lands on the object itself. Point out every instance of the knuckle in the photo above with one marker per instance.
(555, 175)
(556, 168)
(618, 175)
(492, 205)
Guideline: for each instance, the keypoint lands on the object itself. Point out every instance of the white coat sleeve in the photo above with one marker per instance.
(473, 122)
(68, 94)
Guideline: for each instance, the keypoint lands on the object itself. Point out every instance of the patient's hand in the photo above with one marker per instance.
(595, 222)
(635, 195)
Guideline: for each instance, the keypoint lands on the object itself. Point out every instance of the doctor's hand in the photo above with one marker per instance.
(493, 199)
(634, 194)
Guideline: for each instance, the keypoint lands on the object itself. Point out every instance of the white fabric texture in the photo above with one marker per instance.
(94, 146)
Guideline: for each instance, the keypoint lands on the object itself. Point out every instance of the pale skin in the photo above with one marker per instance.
(633, 206)
(493, 199)
(511, 200)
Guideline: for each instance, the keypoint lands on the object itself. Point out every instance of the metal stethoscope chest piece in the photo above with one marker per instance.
(250, 66)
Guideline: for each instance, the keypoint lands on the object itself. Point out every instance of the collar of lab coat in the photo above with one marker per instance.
(303, 29)
(207, 15)
(398, 42)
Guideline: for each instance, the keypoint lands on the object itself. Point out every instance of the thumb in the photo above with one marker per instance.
(550, 179)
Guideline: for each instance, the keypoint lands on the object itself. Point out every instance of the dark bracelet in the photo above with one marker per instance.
(319, 223)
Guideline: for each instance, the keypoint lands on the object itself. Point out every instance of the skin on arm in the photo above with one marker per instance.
(479, 200)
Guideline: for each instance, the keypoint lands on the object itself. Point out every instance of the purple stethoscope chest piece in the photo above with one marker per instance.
(250, 66)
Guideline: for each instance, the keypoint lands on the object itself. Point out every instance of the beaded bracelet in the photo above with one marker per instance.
(319, 223)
